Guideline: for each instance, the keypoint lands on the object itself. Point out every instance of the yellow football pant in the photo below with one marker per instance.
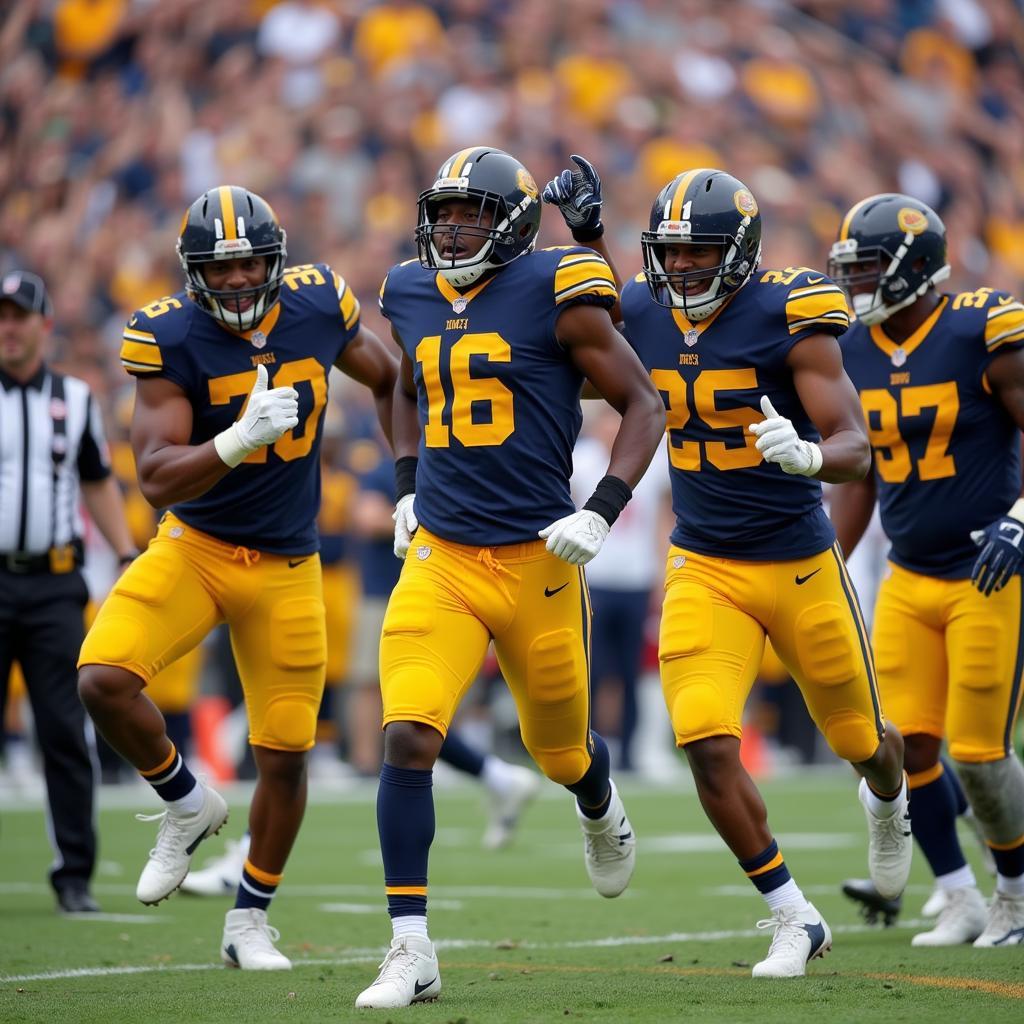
(186, 583)
(716, 615)
(451, 601)
(950, 661)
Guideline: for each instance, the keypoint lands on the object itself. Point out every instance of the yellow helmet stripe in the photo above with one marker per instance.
(844, 230)
(227, 209)
(685, 180)
(458, 164)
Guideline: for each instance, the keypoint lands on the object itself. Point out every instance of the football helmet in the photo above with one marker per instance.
(505, 189)
(227, 223)
(707, 207)
(894, 244)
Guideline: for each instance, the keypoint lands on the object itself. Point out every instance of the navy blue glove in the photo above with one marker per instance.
(577, 194)
(1002, 552)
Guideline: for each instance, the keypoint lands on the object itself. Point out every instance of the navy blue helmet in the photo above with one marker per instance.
(702, 207)
(230, 222)
(509, 217)
(891, 249)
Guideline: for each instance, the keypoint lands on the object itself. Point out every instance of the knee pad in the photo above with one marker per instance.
(289, 723)
(685, 622)
(413, 692)
(564, 766)
(851, 736)
(556, 667)
(825, 645)
(995, 790)
(698, 709)
(297, 636)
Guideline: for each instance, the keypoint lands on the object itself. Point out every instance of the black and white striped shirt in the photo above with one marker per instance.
(39, 476)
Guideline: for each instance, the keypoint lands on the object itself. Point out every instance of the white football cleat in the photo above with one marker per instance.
(223, 874)
(176, 841)
(890, 847)
(609, 847)
(1005, 926)
(961, 920)
(521, 786)
(799, 936)
(249, 942)
(935, 904)
(409, 974)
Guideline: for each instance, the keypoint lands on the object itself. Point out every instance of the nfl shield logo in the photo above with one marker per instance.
(899, 357)
(691, 336)
(423, 553)
(259, 339)
(679, 561)
(459, 304)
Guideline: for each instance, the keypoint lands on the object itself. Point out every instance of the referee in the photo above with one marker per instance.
(51, 451)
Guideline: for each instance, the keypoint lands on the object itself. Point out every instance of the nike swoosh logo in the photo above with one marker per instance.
(292, 562)
(134, 320)
(625, 835)
(801, 580)
(422, 988)
(551, 593)
(816, 933)
(815, 280)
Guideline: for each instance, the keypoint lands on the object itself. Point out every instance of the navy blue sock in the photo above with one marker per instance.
(594, 791)
(178, 725)
(460, 755)
(933, 821)
(171, 778)
(962, 806)
(405, 823)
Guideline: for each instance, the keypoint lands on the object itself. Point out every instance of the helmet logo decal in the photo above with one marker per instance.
(745, 202)
(525, 182)
(674, 227)
(911, 221)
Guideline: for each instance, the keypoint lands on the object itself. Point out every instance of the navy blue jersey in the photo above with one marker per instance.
(270, 501)
(499, 397)
(946, 453)
(728, 501)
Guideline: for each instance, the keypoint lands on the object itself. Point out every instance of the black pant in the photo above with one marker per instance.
(42, 627)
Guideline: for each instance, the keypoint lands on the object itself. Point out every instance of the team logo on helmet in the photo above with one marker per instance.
(745, 202)
(524, 179)
(911, 220)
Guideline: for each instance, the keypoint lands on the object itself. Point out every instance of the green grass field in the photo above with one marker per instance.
(521, 935)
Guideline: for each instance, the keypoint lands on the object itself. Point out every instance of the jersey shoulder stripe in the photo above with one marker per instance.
(141, 347)
(583, 272)
(1004, 323)
(395, 274)
(816, 302)
(347, 301)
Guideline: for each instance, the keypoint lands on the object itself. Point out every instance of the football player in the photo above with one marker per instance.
(759, 412)
(941, 380)
(497, 339)
(231, 384)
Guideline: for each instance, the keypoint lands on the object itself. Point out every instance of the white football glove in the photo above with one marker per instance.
(406, 525)
(268, 415)
(778, 442)
(576, 538)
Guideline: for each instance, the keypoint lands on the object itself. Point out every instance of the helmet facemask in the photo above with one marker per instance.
(215, 301)
(893, 281)
(725, 278)
(501, 242)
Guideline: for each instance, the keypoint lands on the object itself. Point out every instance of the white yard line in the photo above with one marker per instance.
(361, 956)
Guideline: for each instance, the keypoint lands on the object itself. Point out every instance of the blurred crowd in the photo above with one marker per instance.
(115, 114)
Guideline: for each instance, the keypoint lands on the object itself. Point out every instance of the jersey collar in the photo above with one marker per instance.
(692, 331)
(453, 295)
(890, 347)
(264, 327)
